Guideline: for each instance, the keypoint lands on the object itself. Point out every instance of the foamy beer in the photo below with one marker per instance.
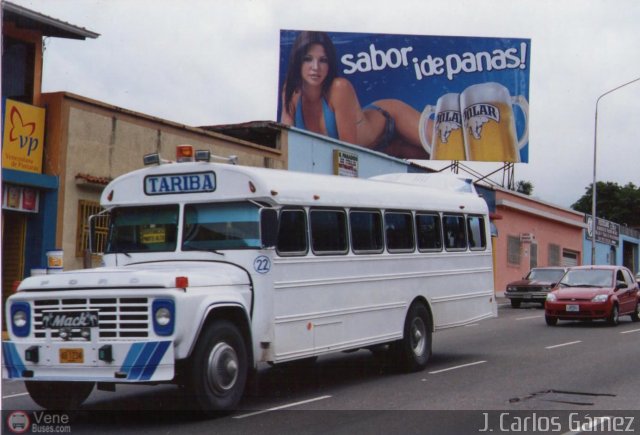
(489, 125)
(446, 142)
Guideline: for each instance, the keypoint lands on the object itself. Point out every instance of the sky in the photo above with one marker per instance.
(209, 62)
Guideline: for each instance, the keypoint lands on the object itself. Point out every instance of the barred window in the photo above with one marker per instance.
(513, 250)
(86, 209)
(554, 255)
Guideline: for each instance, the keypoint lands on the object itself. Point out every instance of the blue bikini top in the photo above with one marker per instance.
(329, 118)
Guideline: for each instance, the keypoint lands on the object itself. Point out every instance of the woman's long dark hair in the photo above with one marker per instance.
(301, 45)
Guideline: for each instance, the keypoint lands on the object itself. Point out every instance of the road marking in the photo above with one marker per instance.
(277, 408)
(563, 344)
(471, 324)
(457, 367)
(529, 317)
(15, 395)
(629, 332)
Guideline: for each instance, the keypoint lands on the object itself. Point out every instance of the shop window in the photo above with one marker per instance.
(513, 250)
(554, 255)
(18, 59)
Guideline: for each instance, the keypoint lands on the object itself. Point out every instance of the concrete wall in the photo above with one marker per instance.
(310, 152)
(102, 141)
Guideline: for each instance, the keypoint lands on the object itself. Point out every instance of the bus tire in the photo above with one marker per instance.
(414, 350)
(219, 368)
(59, 395)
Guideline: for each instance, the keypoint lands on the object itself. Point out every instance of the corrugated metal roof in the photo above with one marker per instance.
(28, 19)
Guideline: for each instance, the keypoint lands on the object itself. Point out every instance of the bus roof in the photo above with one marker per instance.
(193, 182)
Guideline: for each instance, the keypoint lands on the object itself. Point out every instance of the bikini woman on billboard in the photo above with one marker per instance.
(314, 98)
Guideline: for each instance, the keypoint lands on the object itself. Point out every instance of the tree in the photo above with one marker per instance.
(524, 187)
(619, 204)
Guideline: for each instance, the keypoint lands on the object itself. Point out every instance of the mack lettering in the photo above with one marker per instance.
(70, 319)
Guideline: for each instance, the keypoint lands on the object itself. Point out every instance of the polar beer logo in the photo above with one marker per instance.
(446, 141)
(70, 319)
(489, 125)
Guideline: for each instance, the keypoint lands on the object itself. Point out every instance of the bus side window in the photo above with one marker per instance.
(455, 235)
(429, 232)
(328, 231)
(398, 228)
(476, 234)
(292, 233)
(366, 231)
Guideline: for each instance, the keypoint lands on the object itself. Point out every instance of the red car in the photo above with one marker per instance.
(594, 292)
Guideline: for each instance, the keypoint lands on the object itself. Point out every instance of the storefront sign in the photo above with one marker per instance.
(606, 231)
(345, 164)
(23, 137)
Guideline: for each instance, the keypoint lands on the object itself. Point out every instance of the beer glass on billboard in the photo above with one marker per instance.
(489, 124)
(447, 142)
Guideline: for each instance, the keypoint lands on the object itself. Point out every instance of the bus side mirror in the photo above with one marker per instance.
(268, 227)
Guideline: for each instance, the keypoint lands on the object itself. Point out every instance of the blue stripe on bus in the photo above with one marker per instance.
(13, 361)
(142, 360)
(154, 360)
(131, 357)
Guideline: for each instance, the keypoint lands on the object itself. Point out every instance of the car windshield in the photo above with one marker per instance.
(215, 226)
(550, 275)
(588, 278)
(143, 229)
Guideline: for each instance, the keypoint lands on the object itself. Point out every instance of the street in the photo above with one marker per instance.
(513, 373)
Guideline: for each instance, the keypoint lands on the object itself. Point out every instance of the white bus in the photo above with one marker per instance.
(210, 269)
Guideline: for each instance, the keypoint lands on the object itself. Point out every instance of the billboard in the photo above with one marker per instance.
(409, 96)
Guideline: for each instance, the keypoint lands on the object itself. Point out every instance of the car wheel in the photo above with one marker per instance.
(635, 316)
(59, 395)
(551, 321)
(614, 317)
(515, 303)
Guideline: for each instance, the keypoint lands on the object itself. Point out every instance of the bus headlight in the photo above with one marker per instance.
(163, 316)
(21, 319)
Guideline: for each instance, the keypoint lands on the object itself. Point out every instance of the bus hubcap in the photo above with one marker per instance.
(222, 369)
(418, 333)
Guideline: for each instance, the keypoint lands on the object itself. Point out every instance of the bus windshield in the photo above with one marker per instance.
(143, 229)
(215, 226)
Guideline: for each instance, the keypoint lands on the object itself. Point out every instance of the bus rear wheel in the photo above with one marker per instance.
(59, 395)
(219, 368)
(414, 350)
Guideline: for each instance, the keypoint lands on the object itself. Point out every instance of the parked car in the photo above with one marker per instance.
(594, 292)
(535, 286)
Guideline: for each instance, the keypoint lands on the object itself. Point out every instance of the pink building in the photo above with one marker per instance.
(533, 233)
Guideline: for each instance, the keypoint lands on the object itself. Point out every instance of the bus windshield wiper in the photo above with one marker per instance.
(205, 250)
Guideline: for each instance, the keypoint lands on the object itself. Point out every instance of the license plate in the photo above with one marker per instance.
(573, 308)
(71, 356)
(526, 296)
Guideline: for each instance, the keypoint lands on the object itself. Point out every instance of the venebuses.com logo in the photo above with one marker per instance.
(20, 422)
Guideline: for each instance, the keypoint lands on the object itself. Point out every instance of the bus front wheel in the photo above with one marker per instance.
(414, 350)
(58, 394)
(219, 365)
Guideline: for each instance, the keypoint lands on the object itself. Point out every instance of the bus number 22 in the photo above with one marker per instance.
(262, 264)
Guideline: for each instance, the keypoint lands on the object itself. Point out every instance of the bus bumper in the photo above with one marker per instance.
(143, 361)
